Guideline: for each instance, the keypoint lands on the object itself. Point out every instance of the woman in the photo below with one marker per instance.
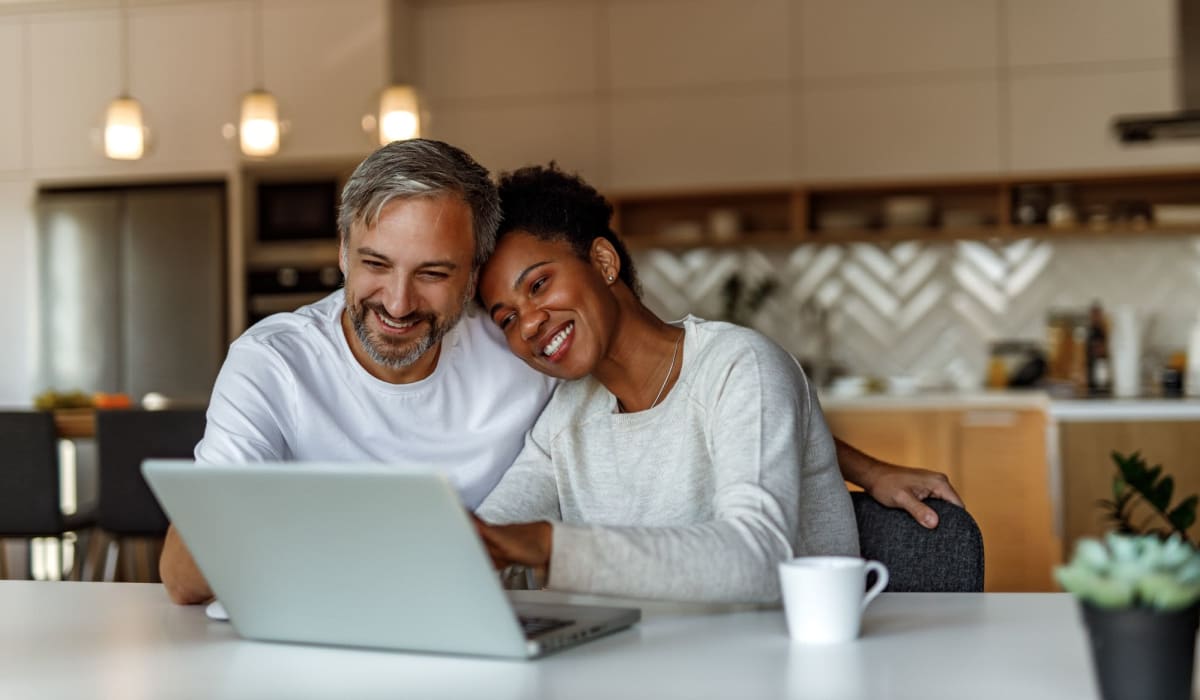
(685, 460)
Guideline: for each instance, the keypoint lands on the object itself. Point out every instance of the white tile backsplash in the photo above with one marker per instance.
(931, 309)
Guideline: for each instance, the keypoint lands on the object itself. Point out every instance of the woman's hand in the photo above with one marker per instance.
(907, 487)
(526, 544)
(895, 486)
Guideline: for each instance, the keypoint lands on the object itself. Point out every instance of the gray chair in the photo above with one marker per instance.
(30, 498)
(129, 514)
(947, 558)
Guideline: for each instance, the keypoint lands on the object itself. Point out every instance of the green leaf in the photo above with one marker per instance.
(1159, 495)
(1184, 515)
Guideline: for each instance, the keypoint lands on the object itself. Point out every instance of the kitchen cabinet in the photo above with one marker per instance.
(714, 43)
(189, 66)
(1063, 120)
(484, 51)
(73, 74)
(855, 38)
(705, 139)
(996, 459)
(508, 136)
(325, 93)
(1061, 32)
(13, 136)
(945, 127)
(1088, 469)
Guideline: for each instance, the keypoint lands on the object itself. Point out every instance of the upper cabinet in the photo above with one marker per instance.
(897, 89)
(325, 61)
(700, 140)
(1058, 32)
(714, 43)
(73, 74)
(188, 68)
(1074, 65)
(843, 38)
(1063, 121)
(473, 51)
(918, 128)
(13, 114)
(189, 65)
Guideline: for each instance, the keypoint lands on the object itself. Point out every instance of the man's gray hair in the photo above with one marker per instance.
(421, 168)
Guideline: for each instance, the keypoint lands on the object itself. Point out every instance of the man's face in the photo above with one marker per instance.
(408, 278)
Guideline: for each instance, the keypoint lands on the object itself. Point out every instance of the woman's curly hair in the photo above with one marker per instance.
(556, 206)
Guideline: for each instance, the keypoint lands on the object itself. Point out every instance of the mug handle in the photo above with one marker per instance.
(881, 581)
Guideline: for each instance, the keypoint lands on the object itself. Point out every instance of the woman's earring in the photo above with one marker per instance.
(611, 278)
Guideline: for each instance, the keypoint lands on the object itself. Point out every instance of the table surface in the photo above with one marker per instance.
(98, 640)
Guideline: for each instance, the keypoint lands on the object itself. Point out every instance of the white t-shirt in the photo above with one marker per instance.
(291, 389)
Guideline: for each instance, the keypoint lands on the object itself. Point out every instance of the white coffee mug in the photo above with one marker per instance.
(823, 596)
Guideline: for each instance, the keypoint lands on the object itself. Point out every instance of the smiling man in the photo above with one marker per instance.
(397, 367)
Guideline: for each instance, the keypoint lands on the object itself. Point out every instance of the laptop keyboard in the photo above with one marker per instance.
(535, 626)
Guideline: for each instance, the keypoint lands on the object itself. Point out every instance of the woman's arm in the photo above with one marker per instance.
(895, 486)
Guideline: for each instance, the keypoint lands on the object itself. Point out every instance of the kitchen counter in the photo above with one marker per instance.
(944, 400)
(1106, 410)
(1059, 410)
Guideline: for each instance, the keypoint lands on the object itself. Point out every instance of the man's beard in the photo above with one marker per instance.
(395, 353)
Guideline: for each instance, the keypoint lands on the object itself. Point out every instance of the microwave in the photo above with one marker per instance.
(297, 210)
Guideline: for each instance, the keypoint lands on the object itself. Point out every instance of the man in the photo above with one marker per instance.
(399, 367)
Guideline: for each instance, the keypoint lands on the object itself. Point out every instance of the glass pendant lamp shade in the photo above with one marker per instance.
(399, 118)
(124, 130)
(259, 129)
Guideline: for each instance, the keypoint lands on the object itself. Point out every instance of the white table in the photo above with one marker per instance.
(100, 640)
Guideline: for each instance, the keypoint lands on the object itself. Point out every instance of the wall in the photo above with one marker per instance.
(706, 93)
(190, 62)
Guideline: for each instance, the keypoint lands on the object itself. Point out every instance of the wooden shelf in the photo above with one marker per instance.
(788, 216)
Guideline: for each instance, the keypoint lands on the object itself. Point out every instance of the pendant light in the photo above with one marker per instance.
(124, 126)
(259, 129)
(398, 116)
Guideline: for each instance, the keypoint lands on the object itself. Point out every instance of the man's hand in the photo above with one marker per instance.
(906, 487)
(895, 486)
(181, 577)
(526, 544)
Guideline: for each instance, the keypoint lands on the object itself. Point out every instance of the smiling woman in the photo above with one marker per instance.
(682, 461)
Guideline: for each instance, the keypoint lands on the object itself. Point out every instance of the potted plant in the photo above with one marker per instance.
(1139, 589)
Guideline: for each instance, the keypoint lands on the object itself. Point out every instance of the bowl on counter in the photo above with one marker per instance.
(1176, 214)
(843, 220)
(907, 211)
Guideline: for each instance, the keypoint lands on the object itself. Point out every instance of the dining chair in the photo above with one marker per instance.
(30, 494)
(129, 516)
(948, 558)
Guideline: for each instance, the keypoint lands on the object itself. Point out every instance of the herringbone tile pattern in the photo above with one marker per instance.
(931, 309)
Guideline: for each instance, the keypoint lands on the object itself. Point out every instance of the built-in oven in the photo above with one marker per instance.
(287, 288)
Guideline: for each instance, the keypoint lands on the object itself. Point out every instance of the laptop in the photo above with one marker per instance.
(358, 555)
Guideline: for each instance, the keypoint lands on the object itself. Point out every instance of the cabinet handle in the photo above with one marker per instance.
(988, 419)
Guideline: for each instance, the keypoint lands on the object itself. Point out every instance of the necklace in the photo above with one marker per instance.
(661, 389)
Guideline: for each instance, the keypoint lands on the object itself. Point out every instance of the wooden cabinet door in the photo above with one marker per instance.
(1005, 484)
(912, 438)
(1088, 469)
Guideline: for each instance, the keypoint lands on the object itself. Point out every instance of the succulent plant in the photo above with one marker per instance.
(1125, 571)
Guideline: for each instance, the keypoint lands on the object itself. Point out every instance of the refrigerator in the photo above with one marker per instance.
(132, 290)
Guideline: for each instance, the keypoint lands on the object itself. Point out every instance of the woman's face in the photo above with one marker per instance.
(557, 311)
